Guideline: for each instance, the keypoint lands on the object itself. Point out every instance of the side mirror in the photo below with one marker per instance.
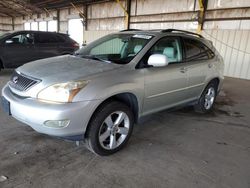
(158, 60)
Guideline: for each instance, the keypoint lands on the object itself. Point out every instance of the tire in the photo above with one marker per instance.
(206, 102)
(110, 128)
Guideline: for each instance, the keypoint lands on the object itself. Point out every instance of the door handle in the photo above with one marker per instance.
(183, 69)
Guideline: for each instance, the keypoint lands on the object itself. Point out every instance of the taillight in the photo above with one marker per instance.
(75, 44)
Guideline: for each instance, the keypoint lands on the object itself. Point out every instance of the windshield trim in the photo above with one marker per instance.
(3, 35)
(143, 39)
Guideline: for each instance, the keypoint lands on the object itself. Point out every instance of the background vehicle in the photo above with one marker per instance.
(20, 47)
(100, 92)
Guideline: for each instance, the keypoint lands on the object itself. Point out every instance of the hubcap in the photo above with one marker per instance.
(209, 98)
(114, 130)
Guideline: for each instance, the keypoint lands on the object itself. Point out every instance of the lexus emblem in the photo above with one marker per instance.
(15, 79)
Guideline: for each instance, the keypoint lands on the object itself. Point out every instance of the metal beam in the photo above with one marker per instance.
(58, 19)
(129, 12)
(201, 14)
(9, 12)
(9, 6)
(13, 23)
(79, 11)
(127, 15)
(86, 14)
(47, 13)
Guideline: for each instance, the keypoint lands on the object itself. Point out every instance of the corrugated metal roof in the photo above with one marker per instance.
(14, 8)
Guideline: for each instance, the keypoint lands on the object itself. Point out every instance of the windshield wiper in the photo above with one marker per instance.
(93, 57)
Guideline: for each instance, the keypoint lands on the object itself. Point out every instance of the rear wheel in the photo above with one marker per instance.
(110, 128)
(207, 99)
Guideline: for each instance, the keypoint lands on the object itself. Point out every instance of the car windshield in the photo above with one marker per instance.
(2, 35)
(115, 48)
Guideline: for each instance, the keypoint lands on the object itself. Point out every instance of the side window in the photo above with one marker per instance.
(196, 50)
(26, 38)
(46, 38)
(60, 39)
(170, 47)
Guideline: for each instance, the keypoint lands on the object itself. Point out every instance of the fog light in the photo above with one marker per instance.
(57, 123)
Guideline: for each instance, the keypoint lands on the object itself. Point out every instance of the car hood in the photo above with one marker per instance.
(65, 68)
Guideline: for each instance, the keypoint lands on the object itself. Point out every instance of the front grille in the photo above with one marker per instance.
(22, 82)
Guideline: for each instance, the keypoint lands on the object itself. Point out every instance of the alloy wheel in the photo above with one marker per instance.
(114, 130)
(209, 98)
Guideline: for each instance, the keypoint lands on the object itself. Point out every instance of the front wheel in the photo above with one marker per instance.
(207, 99)
(110, 128)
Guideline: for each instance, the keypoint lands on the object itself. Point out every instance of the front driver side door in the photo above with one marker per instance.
(165, 86)
(18, 49)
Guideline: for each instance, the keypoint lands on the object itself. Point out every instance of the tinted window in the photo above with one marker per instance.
(25, 38)
(196, 50)
(61, 38)
(48, 38)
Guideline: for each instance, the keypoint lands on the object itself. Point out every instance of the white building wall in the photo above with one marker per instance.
(234, 46)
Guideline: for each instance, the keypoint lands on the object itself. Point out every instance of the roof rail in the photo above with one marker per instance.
(182, 31)
(130, 30)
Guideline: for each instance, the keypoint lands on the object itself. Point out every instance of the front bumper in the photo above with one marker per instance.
(34, 113)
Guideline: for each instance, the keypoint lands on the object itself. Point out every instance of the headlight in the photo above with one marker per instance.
(63, 92)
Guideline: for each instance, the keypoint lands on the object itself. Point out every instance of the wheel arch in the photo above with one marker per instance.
(127, 98)
(215, 80)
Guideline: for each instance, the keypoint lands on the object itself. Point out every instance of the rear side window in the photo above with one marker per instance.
(196, 50)
(61, 38)
(48, 38)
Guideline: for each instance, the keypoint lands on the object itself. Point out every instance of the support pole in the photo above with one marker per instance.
(86, 16)
(129, 13)
(201, 14)
(13, 23)
(58, 19)
(126, 12)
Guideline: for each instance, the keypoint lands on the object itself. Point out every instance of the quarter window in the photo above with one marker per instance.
(196, 50)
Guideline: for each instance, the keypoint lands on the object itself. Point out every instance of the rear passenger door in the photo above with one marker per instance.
(165, 86)
(47, 45)
(198, 60)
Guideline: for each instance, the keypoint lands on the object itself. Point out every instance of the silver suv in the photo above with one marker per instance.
(99, 93)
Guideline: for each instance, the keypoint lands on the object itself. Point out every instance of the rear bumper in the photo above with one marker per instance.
(35, 113)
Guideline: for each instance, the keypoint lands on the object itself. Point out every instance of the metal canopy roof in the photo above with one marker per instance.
(14, 8)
